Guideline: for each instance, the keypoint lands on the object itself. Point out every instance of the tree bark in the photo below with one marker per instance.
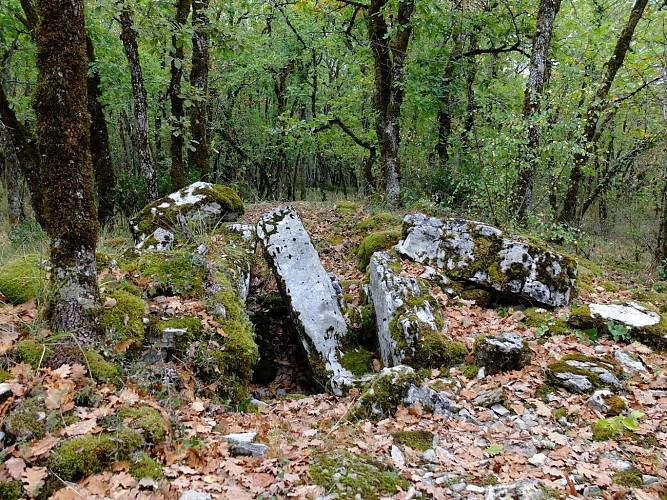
(569, 210)
(25, 148)
(546, 15)
(105, 178)
(200, 155)
(175, 97)
(63, 135)
(389, 62)
(11, 174)
(143, 146)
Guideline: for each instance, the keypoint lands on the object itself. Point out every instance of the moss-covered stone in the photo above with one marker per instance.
(199, 205)
(375, 242)
(32, 352)
(346, 206)
(86, 455)
(22, 279)
(359, 361)
(144, 466)
(469, 371)
(102, 370)
(587, 373)
(609, 286)
(362, 325)
(544, 391)
(616, 405)
(32, 420)
(500, 353)
(417, 440)
(350, 475)
(379, 221)
(656, 298)
(176, 272)
(178, 334)
(632, 478)
(124, 320)
(482, 297)
(436, 351)
(386, 393)
(145, 419)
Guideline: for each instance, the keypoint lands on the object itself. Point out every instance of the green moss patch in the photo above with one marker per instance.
(350, 475)
(22, 279)
(379, 221)
(83, 456)
(346, 206)
(385, 394)
(11, 490)
(171, 273)
(124, 321)
(144, 466)
(417, 440)
(632, 478)
(375, 242)
(359, 361)
(33, 353)
(102, 370)
(31, 420)
(146, 419)
(482, 297)
(569, 364)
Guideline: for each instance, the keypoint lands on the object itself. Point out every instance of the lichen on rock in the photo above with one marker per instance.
(409, 320)
(583, 374)
(177, 215)
(485, 255)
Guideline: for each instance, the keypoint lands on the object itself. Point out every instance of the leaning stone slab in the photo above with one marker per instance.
(483, 254)
(501, 353)
(158, 225)
(308, 290)
(232, 252)
(644, 324)
(409, 320)
(584, 374)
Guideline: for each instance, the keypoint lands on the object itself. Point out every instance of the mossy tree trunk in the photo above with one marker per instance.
(142, 137)
(175, 97)
(389, 60)
(200, 154)
(63, 136)
(105, 178)
(11, 174)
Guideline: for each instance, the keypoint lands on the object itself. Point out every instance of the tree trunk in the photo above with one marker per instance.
(105, 178)
(389, 61)
(200, 155)
(175, 97)
(143, 146)
(569, 211)
(11, 171)
(63, 135)
(546, 15)
(25, 148)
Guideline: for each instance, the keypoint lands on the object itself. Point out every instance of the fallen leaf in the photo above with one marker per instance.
(55, 397)
(42, 446)
(79, 428)
(33, 479)
(15, 467)
(109, 302)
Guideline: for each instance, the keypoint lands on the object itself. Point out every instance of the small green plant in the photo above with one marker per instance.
(619, 333)
(612, 427)
(494, 449)
(589, 336)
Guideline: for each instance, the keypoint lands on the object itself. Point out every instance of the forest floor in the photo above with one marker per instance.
(315, 450)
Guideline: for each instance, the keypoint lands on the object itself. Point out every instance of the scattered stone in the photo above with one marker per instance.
(529, 489)
(475, 489)
(158, 225)
(617, 463)
(308, 291)
(606, 403)
(538, 460)
(592, 491)
(248, 449)
(485, 255)
(409, 320)
(644, 325)
(500, 410)
(243, 437)
(429, 456)
(500, 353)
(631, 362)
(397, 455)
(583, 374)
(490, 397)
(649, 480)
(195, 495)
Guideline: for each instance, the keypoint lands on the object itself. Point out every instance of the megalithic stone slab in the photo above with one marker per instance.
(483, 254)
(308, 290)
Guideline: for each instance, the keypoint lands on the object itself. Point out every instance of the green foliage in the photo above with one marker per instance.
(494, 449)
(613, 427)
(620, 333)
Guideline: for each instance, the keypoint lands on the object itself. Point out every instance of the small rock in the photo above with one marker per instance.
(649, 480)
(475, 489)
(489, 397)
(582, 374)
(5, 388)
(598, 400)
(592, 491)
(617, 463)
(528, 489)
(429, 456)
(630, 362)
(195, 495)
(458, 486)
(397, 455)
(500, 410)
(249, 449)
(243, 437)
(538, 459)
(502, 352)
